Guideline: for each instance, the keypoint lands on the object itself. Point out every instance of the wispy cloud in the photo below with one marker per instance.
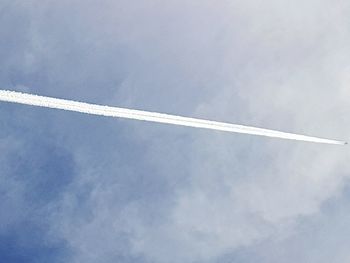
(146, 193)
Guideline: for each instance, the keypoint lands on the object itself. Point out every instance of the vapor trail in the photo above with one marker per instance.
(69, 105)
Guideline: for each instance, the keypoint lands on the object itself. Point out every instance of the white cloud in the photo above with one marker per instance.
(271, 63)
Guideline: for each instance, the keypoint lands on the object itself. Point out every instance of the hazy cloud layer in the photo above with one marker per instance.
(90, 189)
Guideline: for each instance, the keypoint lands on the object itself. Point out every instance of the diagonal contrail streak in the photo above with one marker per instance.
(69, 105)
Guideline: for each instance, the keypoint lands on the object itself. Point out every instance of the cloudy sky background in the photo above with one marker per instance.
(78, 188)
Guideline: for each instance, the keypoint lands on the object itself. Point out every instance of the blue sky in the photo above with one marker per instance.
(78, 188)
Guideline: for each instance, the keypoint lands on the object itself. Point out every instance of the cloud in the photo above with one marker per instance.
(149, 193)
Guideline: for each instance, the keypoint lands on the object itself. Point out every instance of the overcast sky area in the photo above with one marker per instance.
(79, 188)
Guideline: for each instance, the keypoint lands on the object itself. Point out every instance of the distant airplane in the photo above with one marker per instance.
(69, 105)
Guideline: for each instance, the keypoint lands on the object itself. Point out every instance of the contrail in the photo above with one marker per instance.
(69, 105)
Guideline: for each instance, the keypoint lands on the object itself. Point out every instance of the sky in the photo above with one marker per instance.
(79, 188)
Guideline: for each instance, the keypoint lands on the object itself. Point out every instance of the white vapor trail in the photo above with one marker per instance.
(69, 105)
